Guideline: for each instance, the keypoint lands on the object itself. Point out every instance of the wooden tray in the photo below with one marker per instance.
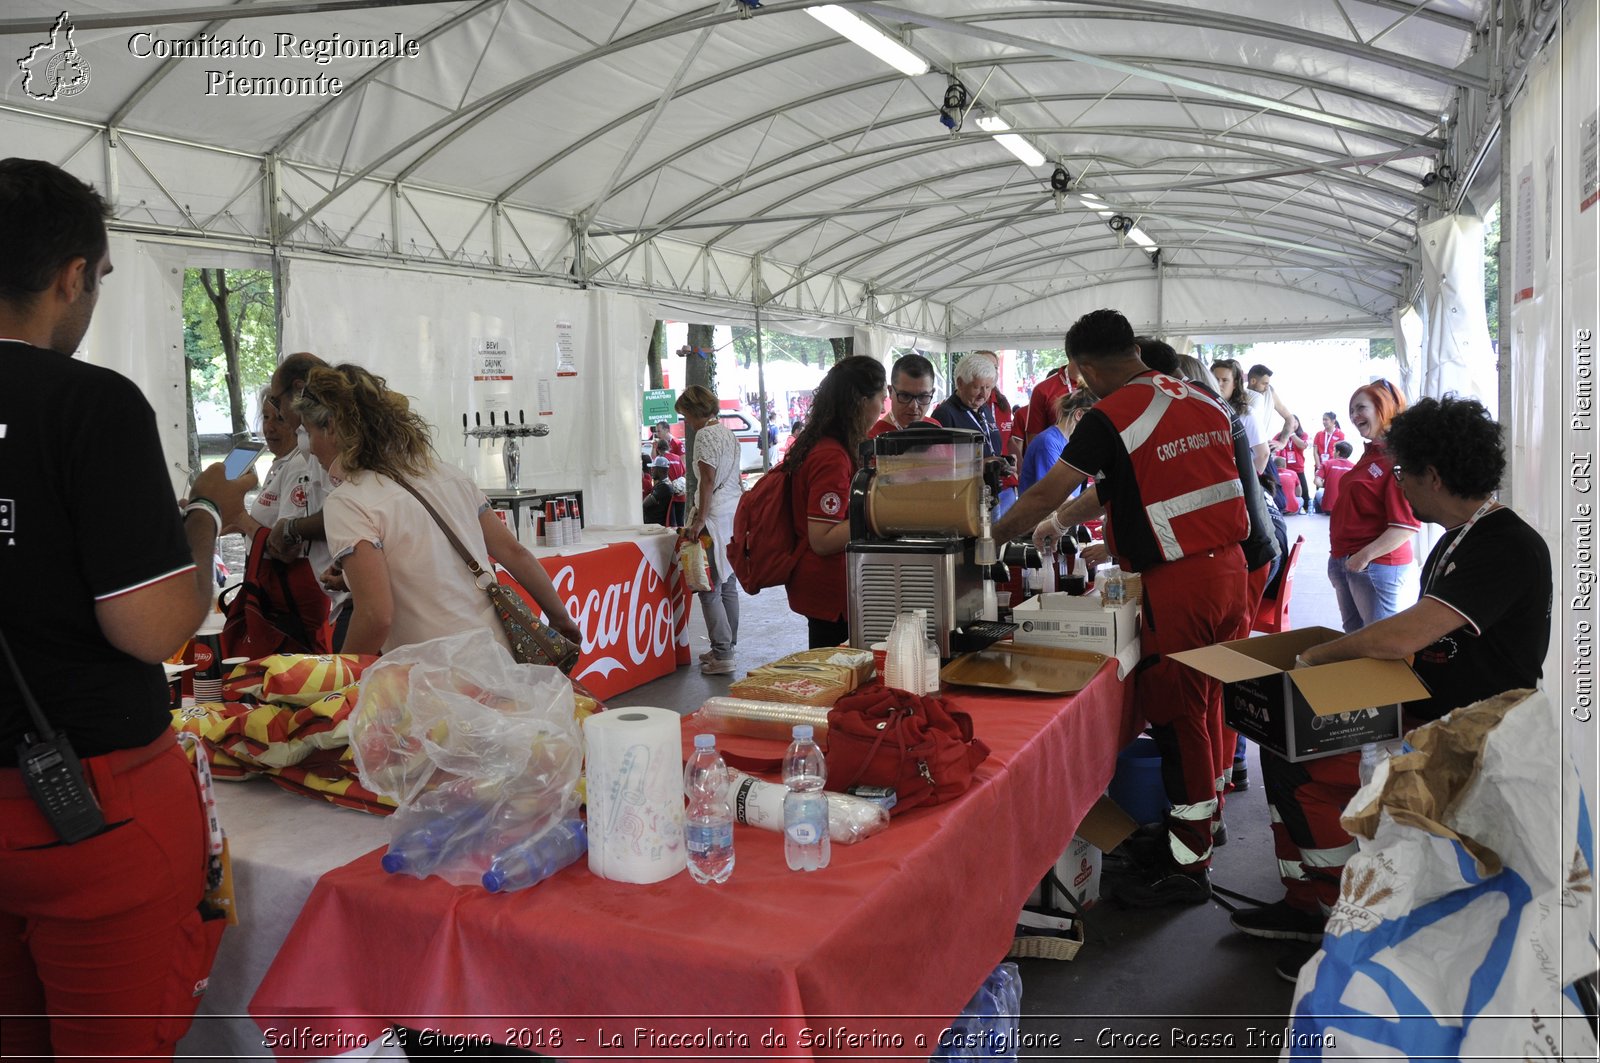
(1028, 669)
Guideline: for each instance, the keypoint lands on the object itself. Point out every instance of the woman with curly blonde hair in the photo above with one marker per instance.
(406, 580)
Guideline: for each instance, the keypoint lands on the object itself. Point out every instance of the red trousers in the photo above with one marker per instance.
(1192, 602)
(101, 942)
(1305, 800)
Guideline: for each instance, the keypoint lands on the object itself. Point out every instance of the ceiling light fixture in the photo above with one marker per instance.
(849, 25)
(1015, 143)
(1140, 237)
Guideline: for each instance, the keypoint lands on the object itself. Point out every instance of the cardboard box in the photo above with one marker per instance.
(1103, 828)
(1055, 619)
(1306, 713)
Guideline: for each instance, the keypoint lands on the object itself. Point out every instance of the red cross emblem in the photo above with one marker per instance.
(1170, 386)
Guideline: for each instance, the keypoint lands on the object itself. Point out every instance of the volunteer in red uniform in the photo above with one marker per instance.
(911, 394)
(1162, 453)
(822, 463)
(1323, 442)
(1329, 475)
(1369, 537)
(1042, 401)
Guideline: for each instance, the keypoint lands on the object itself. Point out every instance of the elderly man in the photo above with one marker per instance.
(1474, 634)
(911, 392)
(970, 408)
(104, 943)
(1161, 451)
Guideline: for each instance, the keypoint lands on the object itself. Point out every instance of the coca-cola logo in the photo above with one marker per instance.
(631, 616)
(204, 655)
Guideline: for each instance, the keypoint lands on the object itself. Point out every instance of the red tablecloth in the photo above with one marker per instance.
(629, 599)
(891, 939)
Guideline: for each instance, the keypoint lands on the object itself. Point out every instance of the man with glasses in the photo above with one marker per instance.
(1474, 634)
(911, 394)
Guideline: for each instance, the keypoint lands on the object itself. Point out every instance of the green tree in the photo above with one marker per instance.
(230, 338)
(1491, 271)
(653, 353)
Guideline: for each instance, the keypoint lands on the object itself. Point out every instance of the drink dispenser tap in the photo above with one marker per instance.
(983, 551)
(511, 455)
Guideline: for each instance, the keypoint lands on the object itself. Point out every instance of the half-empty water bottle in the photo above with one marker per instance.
(806, 842)
(536, 859)
(708, 821)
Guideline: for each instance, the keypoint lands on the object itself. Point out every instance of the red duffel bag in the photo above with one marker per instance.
(278, 608)
(880, 736)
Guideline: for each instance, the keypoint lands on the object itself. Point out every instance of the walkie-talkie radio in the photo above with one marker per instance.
(52, 773)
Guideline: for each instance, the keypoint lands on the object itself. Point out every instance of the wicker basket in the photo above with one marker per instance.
(1039, 944)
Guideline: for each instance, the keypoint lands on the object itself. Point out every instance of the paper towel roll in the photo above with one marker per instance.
(634, 769)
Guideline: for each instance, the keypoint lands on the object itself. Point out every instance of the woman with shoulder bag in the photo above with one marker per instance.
(407, 581)
(717, 491)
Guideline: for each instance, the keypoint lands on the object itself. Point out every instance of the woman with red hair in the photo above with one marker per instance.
(1370, 533)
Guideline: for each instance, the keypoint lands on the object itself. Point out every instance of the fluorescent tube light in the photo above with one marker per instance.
(1020, 148)
(850, 25)
(992, 123)
(1138, 236)
(1095, 203)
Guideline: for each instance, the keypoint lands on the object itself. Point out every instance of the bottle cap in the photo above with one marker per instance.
(394, 863)
(493, 880)
(705, 741)
(802, 730)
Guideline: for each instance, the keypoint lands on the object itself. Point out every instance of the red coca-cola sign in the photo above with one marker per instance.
(631, 617)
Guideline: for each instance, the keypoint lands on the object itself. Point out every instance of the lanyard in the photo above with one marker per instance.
(988, 441)
(1444, 559)
(208, 797)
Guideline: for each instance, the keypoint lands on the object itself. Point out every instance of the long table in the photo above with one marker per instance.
(886, 943)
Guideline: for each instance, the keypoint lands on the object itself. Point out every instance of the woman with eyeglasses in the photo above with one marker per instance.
(1369, 535)
(407, 582)
(821, 465)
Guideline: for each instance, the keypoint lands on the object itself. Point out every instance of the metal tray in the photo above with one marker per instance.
(1024, 668)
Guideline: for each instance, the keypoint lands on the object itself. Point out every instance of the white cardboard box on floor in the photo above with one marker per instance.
(1076, 623)
(1103, 828)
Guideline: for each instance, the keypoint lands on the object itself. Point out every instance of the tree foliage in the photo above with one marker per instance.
(780, 347)
(251, 319)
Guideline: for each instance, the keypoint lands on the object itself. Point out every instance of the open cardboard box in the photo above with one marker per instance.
(1306, 713)
(1105, 826)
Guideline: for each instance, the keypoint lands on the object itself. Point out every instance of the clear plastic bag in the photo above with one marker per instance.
(480, 752)
(695, 561)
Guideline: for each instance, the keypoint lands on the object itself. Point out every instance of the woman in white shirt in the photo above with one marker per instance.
(716, 461)
(407, 582)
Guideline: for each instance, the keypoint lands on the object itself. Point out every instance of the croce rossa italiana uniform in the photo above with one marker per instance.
(1161, 452)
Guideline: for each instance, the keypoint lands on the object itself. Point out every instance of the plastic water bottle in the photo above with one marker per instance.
(421, 848)
(1116, 591)
(930, 657)
(806, 842)
(536, 859)
(708, 821)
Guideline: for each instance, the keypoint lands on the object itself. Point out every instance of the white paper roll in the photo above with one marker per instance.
(634, 768)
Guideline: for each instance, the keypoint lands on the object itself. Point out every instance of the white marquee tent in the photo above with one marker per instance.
(549, 173)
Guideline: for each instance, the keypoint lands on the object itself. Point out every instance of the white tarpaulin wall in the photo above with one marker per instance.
(1552, 265)
(424, 332)
(1456, 355)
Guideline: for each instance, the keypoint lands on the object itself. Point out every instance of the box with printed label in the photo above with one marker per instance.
(1055, 619)
(1104, 827)
(1306, 713)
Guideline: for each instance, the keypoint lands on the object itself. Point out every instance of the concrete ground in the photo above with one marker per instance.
(1139, 972)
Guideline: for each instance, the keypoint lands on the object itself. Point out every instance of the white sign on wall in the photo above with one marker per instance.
(491, 359)
(566, 354)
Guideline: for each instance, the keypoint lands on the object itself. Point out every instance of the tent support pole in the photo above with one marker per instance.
(761, 396)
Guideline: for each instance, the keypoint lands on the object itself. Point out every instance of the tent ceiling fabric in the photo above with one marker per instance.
(1274, 150)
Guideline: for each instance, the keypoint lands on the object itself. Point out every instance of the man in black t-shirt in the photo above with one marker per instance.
(101, 578)
(1474, 634)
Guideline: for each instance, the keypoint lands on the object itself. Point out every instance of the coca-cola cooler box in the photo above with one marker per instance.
(1305, 713)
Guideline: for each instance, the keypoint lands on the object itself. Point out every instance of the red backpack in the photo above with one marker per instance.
(764, 547)
(278, 608)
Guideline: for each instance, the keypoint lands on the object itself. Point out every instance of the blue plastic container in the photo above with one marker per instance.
(1136, 786)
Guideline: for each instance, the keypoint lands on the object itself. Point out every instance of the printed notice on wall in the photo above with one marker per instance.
(542, 390)
(1522, 274)
(566, 362)
(1589, 163)
(491, 359)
